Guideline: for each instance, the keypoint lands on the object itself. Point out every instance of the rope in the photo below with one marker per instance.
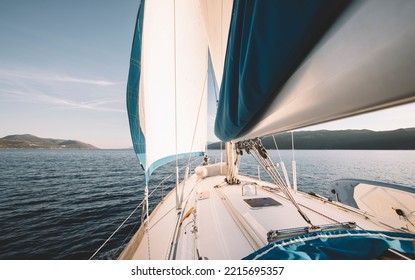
(269, 189)
(262, 157)
(273, 173)
(174, 241)
(248, 164)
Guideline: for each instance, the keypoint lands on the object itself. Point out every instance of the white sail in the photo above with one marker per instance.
(173, 83)
(217, 16)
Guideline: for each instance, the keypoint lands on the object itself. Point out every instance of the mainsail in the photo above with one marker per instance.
(167, 90)
(289, 64)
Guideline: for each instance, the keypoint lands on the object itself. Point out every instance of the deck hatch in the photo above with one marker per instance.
(261, 202)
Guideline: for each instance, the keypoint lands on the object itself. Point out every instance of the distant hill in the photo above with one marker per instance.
(31, 141)
(400, 139)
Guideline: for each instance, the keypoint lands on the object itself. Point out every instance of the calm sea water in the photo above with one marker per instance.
(63, 204)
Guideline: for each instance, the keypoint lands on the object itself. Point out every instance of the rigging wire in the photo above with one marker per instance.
(262, 157)
(294, 164)
(129, 216)
(147, 222)
(175, 102)
(292, 144)
(276, 147)
(193, 138)
(284, 170)
(108, 239)
(197, 118)
(213, 79)
(215, 90)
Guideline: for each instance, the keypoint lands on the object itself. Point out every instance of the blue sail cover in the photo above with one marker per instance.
(337, 245)
(133, 83)
(267, 41)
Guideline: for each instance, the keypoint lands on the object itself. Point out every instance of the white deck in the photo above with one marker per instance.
(223, 226)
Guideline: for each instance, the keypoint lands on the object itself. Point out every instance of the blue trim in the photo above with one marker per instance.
(267, 42)
(133, 85)
(168, 159)
(336, 245)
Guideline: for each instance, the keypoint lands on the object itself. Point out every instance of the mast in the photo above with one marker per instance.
(232, 163)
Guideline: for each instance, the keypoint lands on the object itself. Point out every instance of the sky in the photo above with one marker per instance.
(64, 68)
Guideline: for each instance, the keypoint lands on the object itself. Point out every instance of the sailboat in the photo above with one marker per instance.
(280, 66)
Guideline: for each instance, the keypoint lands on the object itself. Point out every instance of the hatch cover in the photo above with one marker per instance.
(261, 202)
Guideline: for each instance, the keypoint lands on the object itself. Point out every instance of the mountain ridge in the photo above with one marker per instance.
(29, 141)
(350, 139)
